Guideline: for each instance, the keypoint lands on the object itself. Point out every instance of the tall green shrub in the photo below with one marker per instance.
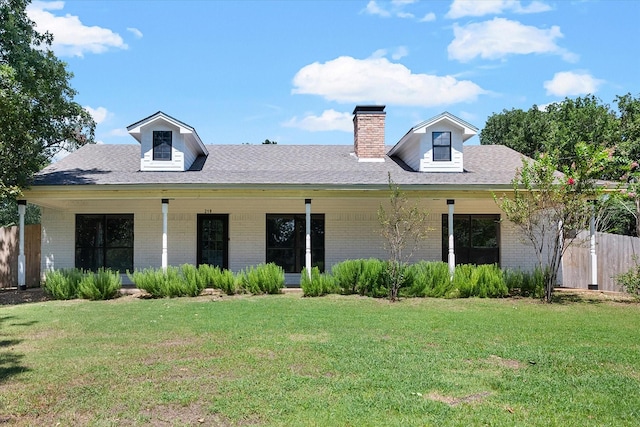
(319, 284)
(161, 284)
(102, 285)
(484, 281)
(525, 283)
(63, 284)
(262, 279)
(346, 275)
(630, 280)
(218, 278)
(430, 279)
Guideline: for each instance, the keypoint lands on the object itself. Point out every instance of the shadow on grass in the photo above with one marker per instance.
(11, 363)
(573, 298)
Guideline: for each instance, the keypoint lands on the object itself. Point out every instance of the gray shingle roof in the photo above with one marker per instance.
(260, 165)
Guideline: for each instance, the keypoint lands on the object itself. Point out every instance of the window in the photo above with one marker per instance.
(286, 241)
(162, 145)
(104, 241)
(476, 238)
(441, 146)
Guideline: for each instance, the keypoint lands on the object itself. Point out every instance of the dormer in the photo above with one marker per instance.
(435, 145)
(166, 144)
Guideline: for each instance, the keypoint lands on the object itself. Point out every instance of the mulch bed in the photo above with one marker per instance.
(13, 296)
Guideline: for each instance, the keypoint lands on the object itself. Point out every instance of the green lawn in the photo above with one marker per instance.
(344, 361)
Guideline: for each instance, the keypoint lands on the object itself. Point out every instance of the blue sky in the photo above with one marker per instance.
(292, 71)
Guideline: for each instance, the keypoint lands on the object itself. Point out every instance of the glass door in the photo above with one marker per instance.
(213, 240)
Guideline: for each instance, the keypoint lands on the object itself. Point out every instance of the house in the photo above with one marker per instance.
(171, 199)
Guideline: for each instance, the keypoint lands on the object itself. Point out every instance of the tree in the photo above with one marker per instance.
(401, 225)
(38, 116)
(628, 156)
(268, 142)
(549, 208)
(558, 127)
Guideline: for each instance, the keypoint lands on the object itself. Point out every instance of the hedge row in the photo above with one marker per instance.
(186, 280)
(370, 277)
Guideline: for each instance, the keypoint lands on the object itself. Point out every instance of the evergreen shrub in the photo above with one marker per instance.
(102, 285)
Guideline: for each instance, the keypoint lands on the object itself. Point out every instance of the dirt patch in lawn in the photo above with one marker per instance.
(454, 401)
(504, 363)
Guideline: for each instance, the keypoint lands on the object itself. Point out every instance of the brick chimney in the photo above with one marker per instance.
(368, 133)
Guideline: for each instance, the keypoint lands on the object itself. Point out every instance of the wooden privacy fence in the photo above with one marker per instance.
(9, 240)
(615, 255)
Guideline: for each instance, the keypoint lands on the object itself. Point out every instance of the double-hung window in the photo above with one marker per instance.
(162, 145)
(286, 240)
(441, 146)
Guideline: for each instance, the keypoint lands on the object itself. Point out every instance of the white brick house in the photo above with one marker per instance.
(171, 199)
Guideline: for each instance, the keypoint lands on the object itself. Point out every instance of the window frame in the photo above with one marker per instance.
(162, 145)
(298, 250)
(470, 252)
(436, 146)
(96, 254)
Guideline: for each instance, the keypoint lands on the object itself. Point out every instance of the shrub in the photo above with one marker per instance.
(262, 279)
(319, 284)
(630, 280)
(175, 282)
(346, 274)
(430, 279)
(218, 278)
(192, 283)
(63, 284)
(484, 281)
(525, 283)
(374, 279)
(102, 285)
(362, 276)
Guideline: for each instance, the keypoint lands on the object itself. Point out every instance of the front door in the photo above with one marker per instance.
(213, 240)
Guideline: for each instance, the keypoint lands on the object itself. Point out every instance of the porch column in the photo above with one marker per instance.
(452, 255)
(307, 253)
(22, 283)
(165, 211)
(593, 260)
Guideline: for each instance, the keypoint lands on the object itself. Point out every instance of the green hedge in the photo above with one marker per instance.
(73, 283)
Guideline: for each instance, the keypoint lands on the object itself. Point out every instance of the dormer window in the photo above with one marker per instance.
(162, 145)
(441, 146)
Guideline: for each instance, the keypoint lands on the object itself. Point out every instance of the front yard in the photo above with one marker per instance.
(286, 360)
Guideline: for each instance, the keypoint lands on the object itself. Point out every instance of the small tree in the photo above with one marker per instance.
(550, 207)
(403, 224)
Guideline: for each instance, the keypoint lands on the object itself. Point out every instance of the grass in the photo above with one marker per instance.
(344, 361)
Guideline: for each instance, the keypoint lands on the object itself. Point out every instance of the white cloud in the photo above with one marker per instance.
(136, 32)
(374, 9)
(500, 37)
(329, 120)
(462, 8)
(429, 17)
(70, 36)
(405, 15)
(351, 80)
(400, 52)
(394, 8)
(99, 114)
(570, 83)
(118, 132)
